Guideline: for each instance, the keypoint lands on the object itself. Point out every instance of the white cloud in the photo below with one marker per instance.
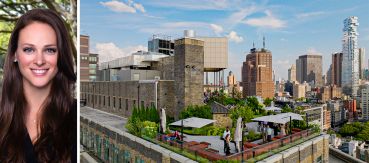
(216, 28)
(110, 51)
(192, 4)
(139, 7)
(175, 29)
(283, 39)
(240, 15)
(269, 21)
(310, 14)
(118, 6)
(232, 36)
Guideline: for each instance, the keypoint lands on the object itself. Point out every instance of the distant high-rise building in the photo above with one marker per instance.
(329, 75)
(93, 67)
(361, 63)
(299, 90)
(365, 103)
(309, 69)
(350, 106)
(231, 79)
(350, 61)
(257, 74)
(84, 54)
(292, 73)
(337, 69)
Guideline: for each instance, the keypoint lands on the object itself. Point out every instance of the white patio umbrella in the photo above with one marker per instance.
(279, 118)
(163, 120)
(193, 122)
(238, 133)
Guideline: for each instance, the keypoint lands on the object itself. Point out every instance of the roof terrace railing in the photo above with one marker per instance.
(257, 152)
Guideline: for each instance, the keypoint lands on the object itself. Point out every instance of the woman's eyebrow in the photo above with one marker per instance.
(29, 44)
(50, 45)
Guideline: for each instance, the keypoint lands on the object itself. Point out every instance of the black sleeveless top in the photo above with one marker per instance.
(28, 146)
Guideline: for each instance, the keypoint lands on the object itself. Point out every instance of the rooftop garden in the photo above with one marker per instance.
(145, 123)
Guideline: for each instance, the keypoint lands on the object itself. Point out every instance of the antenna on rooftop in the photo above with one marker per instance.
(263, 42)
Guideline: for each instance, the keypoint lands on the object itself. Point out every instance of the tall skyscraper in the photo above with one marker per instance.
(365, 102)
(350, 61)
(257, 74)
(231, 79)
(361, 62)
(337, 69)
(309, 69)
(292, 73)
(329, 75)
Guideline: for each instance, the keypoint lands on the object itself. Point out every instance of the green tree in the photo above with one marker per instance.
(364, 134)
(245, 112)
(203, 111)
(253, 103)
(286, 109)
(134, 126)
(268, 101)
(350, 129)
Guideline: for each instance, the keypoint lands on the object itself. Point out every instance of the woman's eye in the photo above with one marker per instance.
(28, 50)
(51, 50)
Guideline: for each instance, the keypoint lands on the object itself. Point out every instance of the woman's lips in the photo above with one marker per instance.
(39, 72)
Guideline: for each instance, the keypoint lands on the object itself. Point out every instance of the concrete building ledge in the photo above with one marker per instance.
(165, 152)
(290, 151)
(273, 158)
(305, 144)
(317, 139)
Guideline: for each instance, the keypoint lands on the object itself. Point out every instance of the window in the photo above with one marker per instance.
(127, 157)
(319, 159)
(153, 104)
(142, 104)
(120, 103)
(134, 103)
(136, 76)
(139, 160)
(114, 102)
(126, 104)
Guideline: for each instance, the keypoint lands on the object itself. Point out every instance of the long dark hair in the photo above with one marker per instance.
(57, 127)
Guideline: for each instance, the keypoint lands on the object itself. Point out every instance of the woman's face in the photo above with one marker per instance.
(37, 55)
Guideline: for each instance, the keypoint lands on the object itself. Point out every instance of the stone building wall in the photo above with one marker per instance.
(188, 72)
(112, 145)
(222, 120)
(314, 150)
(120, 97)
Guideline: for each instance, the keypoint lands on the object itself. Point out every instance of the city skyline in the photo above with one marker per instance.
(291, 29)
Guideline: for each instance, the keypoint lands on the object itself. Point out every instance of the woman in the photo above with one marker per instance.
(38, 117)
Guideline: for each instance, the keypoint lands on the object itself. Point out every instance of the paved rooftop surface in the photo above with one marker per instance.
(104, 118)
(333, 159)
(215, 142)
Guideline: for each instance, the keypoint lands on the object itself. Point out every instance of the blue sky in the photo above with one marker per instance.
(292, 28)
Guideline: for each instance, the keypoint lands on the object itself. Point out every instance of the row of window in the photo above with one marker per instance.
(91, 59)
(101, 100)
(106, 150)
